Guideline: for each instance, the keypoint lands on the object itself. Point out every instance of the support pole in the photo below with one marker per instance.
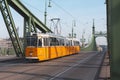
(113, 26)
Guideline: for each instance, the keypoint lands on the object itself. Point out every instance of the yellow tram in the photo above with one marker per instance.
(49, 46)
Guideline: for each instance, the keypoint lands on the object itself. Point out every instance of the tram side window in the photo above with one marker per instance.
(70, 43)
(46, 41)
(53, 42)
(56, 42)
(62, 42)
(40, 42)
(67, 43)
(76, 43)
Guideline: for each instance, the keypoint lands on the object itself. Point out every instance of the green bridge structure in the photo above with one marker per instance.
(92, 46)
(32, 24)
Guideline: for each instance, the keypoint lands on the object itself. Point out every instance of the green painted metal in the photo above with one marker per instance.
(5, 10)
(29, 27)
(22, 10)
(91, 47)
(31, 23)
(113, 26)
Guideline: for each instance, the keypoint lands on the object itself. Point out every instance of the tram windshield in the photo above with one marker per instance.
(32, 41)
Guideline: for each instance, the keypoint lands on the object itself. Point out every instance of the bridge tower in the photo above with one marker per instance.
(93, 33)
(92, 45)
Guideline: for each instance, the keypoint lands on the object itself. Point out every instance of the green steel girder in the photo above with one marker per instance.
(92, 45)
(29, 26)
(5, 10)
(31, 23)
(113, 27)
(22, 10)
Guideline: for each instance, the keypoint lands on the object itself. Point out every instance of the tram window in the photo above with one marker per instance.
(57, 42)
(76, 43)
(28, 41)
(40, 42)
(50, 42)
(31, 41)
(46, 41)
(53, 42)
(61, 41)
(34, 42)
(69, 42)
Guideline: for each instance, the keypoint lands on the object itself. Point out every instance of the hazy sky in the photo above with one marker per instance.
(82, 11)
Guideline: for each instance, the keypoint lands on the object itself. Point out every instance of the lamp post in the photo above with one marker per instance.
(72, 34)
(45, 13)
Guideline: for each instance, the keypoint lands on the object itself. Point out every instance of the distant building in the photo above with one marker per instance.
(5, 43)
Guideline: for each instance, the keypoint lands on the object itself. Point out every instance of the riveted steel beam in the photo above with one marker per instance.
(10, 25)
(113, 27)
(22, 10)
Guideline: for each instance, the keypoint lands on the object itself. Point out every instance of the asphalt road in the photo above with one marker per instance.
(81, 66)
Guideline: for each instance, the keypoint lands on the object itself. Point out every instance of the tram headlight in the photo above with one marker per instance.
(31, 54)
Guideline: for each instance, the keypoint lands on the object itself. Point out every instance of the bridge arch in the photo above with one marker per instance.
(92, 46)
(100, 36)
(101, 40)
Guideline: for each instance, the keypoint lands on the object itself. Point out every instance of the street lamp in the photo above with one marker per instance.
(45, 13)
(73, 35)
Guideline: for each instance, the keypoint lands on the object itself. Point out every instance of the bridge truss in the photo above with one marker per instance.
(31, 23)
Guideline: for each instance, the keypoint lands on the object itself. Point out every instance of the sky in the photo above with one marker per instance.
(80, 12)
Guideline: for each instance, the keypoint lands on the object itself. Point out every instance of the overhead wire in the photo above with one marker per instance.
(32, 6)
(63, 9)
(52, 2)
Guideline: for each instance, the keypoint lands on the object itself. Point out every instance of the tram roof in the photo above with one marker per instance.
(48, 35)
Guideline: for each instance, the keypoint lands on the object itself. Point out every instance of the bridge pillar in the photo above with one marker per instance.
(113, 27)
(93, 33)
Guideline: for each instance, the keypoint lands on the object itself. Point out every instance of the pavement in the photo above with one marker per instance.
(105, 69)
(7, 57)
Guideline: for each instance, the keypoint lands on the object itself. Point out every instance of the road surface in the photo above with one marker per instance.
(81, 66)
